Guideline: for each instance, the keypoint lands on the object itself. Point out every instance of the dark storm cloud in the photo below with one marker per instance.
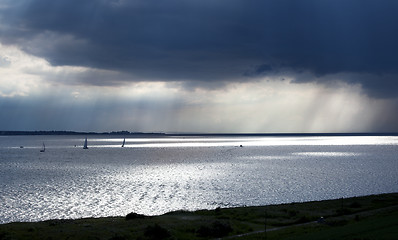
(223, 40)
(258, 70)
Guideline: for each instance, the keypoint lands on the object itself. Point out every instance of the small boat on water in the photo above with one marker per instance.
(124, 141)
(85, 144)
(44, 148)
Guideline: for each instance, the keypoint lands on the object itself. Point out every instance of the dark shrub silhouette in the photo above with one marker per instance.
(134, 215)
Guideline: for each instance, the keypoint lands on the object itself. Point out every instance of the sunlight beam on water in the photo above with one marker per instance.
(245, 141)
(327, 154)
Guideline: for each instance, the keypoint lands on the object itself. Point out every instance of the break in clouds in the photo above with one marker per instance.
(193, 52)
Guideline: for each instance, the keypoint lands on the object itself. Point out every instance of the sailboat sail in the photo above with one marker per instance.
(85, 144)
(124, 141)
(44, 148)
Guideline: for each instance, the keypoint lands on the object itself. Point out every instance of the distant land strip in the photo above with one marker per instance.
(74, 133)
(10, 133)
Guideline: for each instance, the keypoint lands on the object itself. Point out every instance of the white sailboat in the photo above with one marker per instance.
(124, 141)
(85, 144)
(44, 148)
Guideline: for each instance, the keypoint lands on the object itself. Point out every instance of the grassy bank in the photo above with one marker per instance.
(369, 217)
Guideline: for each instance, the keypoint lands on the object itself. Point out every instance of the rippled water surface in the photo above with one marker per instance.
(154, 175)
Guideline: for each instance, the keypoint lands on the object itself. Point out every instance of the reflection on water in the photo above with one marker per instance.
(157, 175)
(246, 141)
(327, 154)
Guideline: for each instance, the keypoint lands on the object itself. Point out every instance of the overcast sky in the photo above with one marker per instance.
(242, 66)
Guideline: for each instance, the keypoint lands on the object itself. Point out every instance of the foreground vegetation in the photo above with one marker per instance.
(370, 217)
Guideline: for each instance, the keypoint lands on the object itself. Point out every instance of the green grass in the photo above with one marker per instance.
(370, 217)
(378, 226)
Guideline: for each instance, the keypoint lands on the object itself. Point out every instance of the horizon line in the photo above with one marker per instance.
(124, 132)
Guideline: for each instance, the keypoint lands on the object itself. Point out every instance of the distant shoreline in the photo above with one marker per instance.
(16, 133)
(127, 133)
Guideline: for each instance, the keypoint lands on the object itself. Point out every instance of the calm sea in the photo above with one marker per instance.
(154, 175)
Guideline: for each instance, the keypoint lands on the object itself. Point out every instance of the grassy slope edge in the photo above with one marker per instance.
(368, 217)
